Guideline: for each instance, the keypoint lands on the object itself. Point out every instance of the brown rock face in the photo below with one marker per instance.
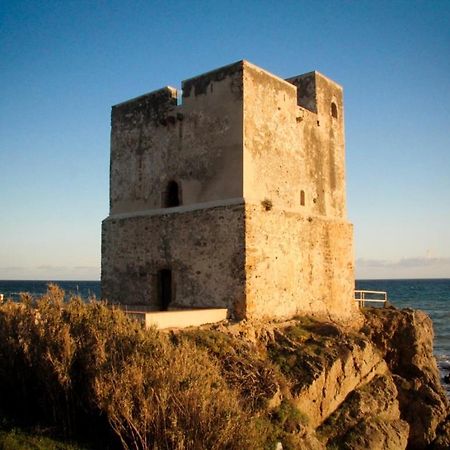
(368, 419)
(405, 339)
(319, 386)
(442, 441)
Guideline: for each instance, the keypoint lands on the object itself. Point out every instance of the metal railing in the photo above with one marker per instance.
(362, 297)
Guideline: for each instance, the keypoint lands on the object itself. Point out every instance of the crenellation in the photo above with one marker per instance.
(148, 107)
(204, 84)
(306, 90)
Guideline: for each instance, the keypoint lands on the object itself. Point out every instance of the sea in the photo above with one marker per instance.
(431, 296)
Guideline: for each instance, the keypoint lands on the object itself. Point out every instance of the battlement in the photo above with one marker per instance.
(239, 132)
(148, 107)
(155, 104)
(204, 83)
(312, 86)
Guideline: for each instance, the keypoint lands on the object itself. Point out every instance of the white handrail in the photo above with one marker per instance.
(371, 292)
(361, 299)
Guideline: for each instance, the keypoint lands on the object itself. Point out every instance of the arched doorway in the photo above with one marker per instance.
(172, 195)
(164, 289)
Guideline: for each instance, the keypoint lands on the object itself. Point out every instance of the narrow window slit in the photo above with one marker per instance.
(334, 112)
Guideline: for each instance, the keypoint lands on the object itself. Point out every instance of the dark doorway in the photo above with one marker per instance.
(164, 289)
(172, 195)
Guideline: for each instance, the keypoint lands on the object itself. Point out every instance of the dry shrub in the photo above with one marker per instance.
(36, 353)
(73, 365)
(176, 400)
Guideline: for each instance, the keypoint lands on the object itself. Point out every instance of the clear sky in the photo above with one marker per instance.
(64, 63)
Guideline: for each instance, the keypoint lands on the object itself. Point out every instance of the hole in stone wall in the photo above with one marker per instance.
(302, 198)
(267, 204)
(172, 195)
(334, 112)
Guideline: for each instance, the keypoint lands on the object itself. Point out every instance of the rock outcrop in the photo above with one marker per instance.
(323, 386)
(369, 418)
(405, 340)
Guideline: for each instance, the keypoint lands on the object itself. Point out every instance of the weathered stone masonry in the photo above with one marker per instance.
(234, 198)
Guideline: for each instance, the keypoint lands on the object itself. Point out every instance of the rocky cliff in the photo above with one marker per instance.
(318, 385)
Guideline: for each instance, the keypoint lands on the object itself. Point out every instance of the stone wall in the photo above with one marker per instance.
(320, 127)
(272, 160)
(198, 144)
(299, 246)
(289, 149)
(298, 264)
(204, 249)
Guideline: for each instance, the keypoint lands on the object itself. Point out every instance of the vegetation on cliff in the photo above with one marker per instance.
(86, 372)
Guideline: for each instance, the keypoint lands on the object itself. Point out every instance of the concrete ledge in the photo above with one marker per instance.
(178, 209)
(179, 319)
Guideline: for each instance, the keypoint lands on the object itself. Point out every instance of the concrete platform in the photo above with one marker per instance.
(178, 319)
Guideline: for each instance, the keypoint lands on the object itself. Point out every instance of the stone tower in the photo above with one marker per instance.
(234, 198)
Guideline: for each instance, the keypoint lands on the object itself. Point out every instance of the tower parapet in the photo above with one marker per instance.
(145, 108)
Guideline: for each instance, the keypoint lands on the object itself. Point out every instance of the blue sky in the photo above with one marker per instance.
(64, 63)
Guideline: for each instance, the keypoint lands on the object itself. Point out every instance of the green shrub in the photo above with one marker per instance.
(289, 417)
(254, 378)
(18, 440)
